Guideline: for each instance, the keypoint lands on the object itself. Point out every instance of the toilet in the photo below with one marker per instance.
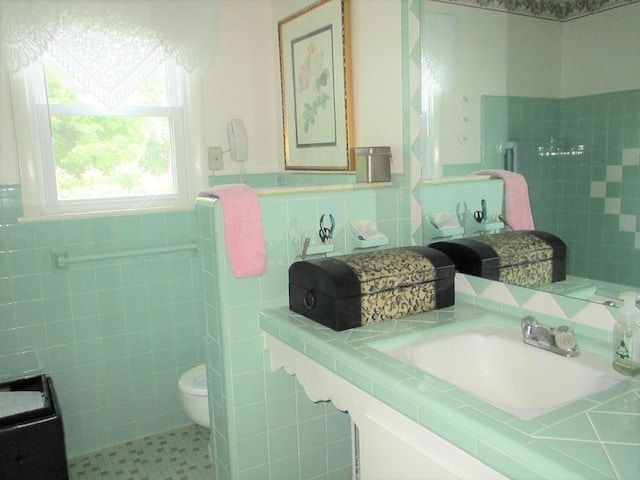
(193, 393)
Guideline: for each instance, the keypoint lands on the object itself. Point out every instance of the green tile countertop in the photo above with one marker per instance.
(597, 437)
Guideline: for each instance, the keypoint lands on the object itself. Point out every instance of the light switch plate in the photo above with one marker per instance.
(214, 157)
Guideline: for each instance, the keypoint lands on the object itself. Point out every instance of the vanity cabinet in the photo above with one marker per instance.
(389, 445)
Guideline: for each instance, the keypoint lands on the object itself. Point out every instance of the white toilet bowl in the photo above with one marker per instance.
(193, 393)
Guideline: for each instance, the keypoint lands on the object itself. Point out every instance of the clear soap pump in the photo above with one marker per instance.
(626, 337)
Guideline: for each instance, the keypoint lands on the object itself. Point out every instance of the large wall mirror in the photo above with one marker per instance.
(561, 87)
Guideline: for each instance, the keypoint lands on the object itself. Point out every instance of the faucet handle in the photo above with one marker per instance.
(527, 324)
(565, 338)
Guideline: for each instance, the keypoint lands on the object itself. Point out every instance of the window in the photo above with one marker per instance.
(101, 94)
(89, 158)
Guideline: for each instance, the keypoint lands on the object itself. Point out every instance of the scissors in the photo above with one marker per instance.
(326, 233)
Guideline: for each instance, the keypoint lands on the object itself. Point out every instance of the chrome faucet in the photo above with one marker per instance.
(561, 340)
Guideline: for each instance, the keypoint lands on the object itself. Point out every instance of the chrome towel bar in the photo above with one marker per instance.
(62, 260)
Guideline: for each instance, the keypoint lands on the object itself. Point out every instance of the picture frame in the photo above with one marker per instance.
(315, 73)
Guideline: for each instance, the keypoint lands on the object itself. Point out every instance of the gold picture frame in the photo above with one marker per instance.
(315, 73)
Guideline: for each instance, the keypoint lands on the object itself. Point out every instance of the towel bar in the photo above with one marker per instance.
(62, 260)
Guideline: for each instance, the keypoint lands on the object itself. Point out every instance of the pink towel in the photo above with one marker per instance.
(242, 228)
(517, 208)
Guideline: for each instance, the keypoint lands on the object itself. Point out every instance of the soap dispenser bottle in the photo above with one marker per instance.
(626, 337)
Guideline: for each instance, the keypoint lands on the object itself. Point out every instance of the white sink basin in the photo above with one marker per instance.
(491, 362)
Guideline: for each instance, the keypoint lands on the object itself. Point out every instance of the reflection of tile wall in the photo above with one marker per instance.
(589, 200)
(456, 197)
(113, 334)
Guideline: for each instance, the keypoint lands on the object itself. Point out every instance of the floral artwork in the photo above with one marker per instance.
(313, 94)
(315, 75)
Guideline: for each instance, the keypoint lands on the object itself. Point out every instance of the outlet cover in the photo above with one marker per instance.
(214, 157)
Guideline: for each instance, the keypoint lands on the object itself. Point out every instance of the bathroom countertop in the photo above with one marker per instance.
(596, 437)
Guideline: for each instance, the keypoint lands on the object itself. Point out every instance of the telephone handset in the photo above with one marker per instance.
(238, 144)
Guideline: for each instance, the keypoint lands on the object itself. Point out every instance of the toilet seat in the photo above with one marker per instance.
(194, 381)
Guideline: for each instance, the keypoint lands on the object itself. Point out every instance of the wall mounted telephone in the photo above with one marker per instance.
(238, 144)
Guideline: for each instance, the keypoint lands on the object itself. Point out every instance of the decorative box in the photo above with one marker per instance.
(359, 289)
(526, 258)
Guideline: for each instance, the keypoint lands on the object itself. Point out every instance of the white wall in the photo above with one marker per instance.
(601, 53)
(377, 75)
(478, 68)
(9, 172)
(245, 82)
(534, 57)
(242, 84)
(521, 56)
(505, 54)
(497, 54)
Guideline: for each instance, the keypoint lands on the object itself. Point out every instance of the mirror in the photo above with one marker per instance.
(315, 78)
(565, 96)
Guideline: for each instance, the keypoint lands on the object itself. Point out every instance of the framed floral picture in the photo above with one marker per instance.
(315, 81)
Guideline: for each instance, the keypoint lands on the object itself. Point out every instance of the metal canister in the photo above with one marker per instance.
(373, 164)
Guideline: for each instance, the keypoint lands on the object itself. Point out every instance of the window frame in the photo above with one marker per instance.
(37, 162)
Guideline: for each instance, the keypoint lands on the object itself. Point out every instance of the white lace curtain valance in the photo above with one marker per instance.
(109, 46)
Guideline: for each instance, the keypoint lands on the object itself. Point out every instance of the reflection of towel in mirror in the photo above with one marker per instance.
(242, 228)
(517, 208)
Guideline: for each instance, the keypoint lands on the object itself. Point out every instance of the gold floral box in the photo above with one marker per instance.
(527, 258)
(360, 289)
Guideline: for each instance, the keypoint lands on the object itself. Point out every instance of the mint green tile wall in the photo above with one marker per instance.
(264, 425)
(529, 123)
(605, 124)
(114, 334)
(494, 126)
(389, 204)
(453, 198)
(560, 186)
